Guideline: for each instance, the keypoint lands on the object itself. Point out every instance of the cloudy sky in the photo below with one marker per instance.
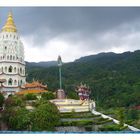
(47, 32)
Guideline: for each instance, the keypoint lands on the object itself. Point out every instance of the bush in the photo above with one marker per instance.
(78, 115)
(48, 96)
(113, 127)
(17, 118)
(13, 101)
(103, 122)
(84, 122)
(73, 95)
(45, 117)
(77, 123)
(30, 96)
(132, 114)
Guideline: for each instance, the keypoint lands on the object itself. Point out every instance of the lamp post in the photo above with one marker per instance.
(59, 61)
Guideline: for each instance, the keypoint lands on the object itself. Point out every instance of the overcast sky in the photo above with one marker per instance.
(47, 32)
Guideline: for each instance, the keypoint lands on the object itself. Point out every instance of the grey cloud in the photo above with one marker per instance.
(87, 26)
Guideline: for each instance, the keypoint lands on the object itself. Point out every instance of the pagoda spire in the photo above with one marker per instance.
(9, 25)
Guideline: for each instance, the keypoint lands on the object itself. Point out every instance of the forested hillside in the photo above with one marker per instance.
(113, 78)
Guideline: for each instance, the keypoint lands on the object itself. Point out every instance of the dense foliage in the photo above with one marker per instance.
(48, 95)
(113, 78)
(44, 117)
(1, 100)
(14, 101)
(30, 96)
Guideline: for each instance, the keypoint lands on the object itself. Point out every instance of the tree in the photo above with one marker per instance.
(121, 116)
(132, 114)
(1, 100)
(48, 95)
(45, 117)
(20, 120)
(13, 101)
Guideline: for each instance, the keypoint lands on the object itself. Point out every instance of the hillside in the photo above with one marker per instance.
(113, 78)
(41, 64)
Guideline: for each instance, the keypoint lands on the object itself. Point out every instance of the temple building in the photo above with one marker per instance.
(12, 65)
(33, 88)
(83, 91)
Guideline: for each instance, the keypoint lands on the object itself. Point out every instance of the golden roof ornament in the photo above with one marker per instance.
(9, 25)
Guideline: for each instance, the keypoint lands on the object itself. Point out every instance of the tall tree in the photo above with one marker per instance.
(45, 117)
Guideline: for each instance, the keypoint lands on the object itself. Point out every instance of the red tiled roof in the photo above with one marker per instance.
(34, 84)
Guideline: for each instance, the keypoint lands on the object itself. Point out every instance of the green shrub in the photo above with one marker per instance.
(73, 95)
(13, 101)
(45, 117)
(112, 127)
(48, 95)
(84, 122)
(30, 96)
(77, 123)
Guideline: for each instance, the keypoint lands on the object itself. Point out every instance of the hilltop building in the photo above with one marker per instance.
(12, 65)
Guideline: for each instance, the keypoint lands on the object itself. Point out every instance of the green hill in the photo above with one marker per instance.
(113, 78)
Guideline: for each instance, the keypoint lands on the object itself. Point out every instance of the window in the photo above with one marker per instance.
(10, 69)
(21, 70)
(10, 81)
(8, 57)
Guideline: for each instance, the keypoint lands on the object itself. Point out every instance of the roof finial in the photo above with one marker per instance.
(9, 25)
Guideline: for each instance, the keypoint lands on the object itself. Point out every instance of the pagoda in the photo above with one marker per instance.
(12, 64)
(83, 91)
